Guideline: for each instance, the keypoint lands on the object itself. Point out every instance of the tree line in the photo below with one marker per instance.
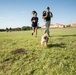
(24, 28)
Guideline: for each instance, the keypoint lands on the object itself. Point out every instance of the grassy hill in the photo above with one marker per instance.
(22, 54)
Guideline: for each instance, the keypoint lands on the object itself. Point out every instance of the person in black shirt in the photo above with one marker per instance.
(34, 21)
(47, 15)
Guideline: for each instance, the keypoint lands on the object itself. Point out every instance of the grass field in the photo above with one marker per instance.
(22, 54)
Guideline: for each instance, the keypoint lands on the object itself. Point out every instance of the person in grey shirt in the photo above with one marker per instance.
(47, 15)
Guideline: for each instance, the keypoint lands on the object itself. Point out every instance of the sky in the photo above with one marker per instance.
(18, 13)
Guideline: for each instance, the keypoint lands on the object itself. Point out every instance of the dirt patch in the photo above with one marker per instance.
(18, 51)
(6, 59)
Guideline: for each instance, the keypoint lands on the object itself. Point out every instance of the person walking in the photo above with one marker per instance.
(47, 15)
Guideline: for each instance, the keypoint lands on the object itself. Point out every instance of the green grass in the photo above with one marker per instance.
(22, 54)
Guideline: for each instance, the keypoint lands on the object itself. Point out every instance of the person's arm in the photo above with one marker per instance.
(44, 15)
(32, 20)
(51, 15)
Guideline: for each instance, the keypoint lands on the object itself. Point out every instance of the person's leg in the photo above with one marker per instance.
(45, 28)
(33, 30)
(48, 26)
(36, 30)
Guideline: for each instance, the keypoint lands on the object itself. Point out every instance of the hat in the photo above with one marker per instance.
(48, 8)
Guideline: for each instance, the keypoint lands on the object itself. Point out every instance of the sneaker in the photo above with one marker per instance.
(32, 33)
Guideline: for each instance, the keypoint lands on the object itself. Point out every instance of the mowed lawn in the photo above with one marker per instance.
(22, 54)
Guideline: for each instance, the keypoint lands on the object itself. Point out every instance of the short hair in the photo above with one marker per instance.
(33, 12)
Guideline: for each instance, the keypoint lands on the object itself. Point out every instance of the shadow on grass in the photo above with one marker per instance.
(61, 45)
(66, 35)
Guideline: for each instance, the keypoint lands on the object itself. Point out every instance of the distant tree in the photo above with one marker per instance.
(1, 30)
(18, 29)
(38, 27)
(26, 28)
(7, 29)
(69, 25)
(10, 29)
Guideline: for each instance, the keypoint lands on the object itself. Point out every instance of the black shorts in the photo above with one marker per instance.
(34, 26)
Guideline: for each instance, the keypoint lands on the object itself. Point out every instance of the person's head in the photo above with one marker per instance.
(33, 12)
(47, 9)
